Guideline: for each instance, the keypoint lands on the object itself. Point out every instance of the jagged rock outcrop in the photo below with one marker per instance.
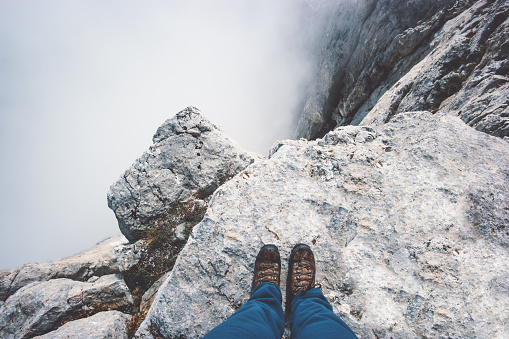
(109, 324)
(408, 222)
(41, 307)
(381, 58)
(190, 158)
(97, 261)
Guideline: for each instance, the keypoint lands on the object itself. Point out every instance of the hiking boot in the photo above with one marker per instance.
(301, 274)
(267, 266)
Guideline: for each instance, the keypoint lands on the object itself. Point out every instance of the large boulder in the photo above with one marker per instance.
(376, 59)
(100, 260)
(189, 160)
(41, 307)
(408, 223)
(108, 324)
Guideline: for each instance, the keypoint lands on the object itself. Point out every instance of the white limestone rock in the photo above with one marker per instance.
(108, 324)
(190, 158)
(408, 223)
(100, 260)
(361, 48)
(41, 307)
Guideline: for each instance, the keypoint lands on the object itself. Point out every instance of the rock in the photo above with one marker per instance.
(190, 158)
(149, 295)
(377, 59)
(109, 324)
(464, 75)
(182, 231)
(408, 223)
(407, 213)
(99, 260)
(128, 255)
(41, 307)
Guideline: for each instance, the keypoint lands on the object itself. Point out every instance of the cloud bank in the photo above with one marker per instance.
(85, 84)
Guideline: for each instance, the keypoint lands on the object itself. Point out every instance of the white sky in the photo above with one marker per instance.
(85, 84)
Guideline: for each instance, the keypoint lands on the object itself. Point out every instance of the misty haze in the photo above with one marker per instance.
(85, 84)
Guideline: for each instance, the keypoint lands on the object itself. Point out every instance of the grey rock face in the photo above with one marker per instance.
(109, 324)
(97, 261)
(465, 74)
(190, 158)
(407, 221)
(381, 58)
(41, 307)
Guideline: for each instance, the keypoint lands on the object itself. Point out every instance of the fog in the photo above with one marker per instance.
(85, 84)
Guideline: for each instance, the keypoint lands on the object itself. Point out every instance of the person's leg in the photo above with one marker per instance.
(260, 317)
(312, 317)
(307, 310)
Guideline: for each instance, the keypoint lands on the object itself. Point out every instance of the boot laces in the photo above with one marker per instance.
(268, 272)
(303, 275)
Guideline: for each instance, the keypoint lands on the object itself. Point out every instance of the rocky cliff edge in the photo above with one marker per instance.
(408, 223)
(407, 213)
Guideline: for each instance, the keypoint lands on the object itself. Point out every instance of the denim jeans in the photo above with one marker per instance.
(262, 317)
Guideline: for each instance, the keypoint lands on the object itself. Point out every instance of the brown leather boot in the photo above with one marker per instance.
(301, 274)
(267, 266)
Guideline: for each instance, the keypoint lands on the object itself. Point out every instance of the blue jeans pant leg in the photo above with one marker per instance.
(312, 317)
(260, 317)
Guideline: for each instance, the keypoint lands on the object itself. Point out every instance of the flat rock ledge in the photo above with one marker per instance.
(99, 260)
(408, 222)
